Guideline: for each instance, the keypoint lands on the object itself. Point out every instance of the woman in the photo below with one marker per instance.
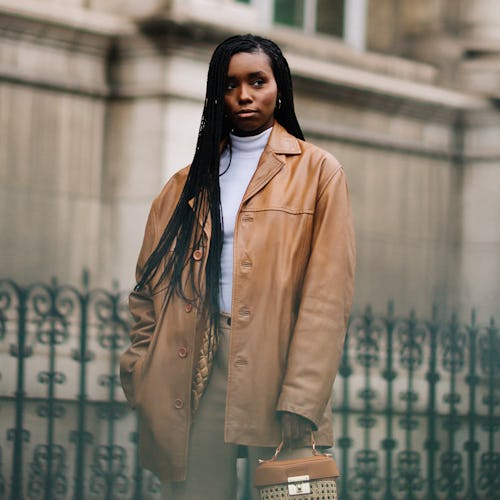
(244, 286)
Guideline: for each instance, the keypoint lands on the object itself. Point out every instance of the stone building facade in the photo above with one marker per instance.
(100, 101)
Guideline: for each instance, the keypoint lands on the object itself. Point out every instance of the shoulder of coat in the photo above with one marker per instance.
(169, 195)
(320, 158)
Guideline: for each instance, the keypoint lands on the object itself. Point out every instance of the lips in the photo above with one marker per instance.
(246, 113)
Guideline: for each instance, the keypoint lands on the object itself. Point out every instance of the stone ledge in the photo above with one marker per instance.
(164, 41)
(56, 47)
(388, 142)
(373, 83)
(68, 17)
(54, 60)
(316, 46)
(375, 140)
(74, 31)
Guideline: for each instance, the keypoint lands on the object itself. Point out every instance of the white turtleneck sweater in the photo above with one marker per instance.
(237, 170)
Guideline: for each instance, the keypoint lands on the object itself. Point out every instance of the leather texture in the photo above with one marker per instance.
(294, 261)
(279, 471)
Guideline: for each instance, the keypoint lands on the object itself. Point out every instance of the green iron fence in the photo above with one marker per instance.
(416, 402)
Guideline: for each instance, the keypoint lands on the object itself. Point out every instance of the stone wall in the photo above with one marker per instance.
(53, 105)
(100, 111)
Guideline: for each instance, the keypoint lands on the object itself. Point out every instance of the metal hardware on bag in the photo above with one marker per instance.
(299, 485)
(280, 447)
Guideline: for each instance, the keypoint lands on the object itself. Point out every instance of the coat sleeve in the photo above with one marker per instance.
(326, 298)
(143, 318)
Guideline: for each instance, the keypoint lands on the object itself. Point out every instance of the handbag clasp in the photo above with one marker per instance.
(299, 485)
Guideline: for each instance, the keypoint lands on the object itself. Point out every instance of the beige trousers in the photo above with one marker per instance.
(212, 472)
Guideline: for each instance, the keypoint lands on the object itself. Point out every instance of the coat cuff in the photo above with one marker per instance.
(300, 411)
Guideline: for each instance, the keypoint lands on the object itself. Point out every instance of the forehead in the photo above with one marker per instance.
(249, 62)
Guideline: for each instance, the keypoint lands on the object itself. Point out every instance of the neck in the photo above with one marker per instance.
(248, 133)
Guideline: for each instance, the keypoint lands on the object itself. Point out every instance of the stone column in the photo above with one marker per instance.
(480, 73)
(355, 23)
(481, 21)
(53, 94)
(480, 68)
(428, 32)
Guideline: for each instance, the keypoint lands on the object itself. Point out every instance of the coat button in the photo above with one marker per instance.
(178, 403)
(182, 352)
(244, 312)
(240, 361)
(188, 307)
(197, 254)
(246, 264)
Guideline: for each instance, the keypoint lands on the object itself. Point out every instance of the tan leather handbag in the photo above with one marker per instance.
(311, 478)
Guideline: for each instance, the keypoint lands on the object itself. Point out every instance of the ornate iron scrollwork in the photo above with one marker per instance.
(489, 474)
(367, 332)
(113, 322)
(411, 335)
(489, 355)
(453, 344)
(366, 473)
(108, 471)
(48, 468)
(409, 472)
(451, 479)
(396, 375)
(153, 484)
(2, 479)
(5, 306)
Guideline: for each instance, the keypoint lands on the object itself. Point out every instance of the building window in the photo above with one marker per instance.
(289, 12)
(311, 16)
(344, 19)
(330, 17)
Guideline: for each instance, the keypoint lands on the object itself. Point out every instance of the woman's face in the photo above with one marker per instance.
(251, 93)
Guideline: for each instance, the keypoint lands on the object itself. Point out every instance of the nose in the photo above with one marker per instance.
(245, 94)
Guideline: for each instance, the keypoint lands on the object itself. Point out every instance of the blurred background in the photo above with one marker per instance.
(100, 102)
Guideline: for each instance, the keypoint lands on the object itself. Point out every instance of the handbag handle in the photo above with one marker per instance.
(282, 443)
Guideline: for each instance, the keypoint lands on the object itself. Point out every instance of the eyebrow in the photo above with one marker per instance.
(251, 75)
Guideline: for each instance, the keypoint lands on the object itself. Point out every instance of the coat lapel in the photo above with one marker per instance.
(272, 160)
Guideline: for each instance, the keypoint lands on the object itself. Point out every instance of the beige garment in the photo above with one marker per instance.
(212, 473)
(294, 256)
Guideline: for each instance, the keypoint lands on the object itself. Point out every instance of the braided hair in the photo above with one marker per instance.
(185, 227)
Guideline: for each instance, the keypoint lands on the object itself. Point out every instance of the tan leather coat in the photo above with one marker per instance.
(294, 259)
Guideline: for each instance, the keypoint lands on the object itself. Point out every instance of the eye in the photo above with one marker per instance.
(230, 86)
(258, 83)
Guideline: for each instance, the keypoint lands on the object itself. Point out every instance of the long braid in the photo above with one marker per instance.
(202, 183)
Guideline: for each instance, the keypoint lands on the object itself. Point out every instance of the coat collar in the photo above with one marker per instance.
(279, 145)
(281, 142)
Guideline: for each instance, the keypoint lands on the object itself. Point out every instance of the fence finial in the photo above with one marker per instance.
(86, 278)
